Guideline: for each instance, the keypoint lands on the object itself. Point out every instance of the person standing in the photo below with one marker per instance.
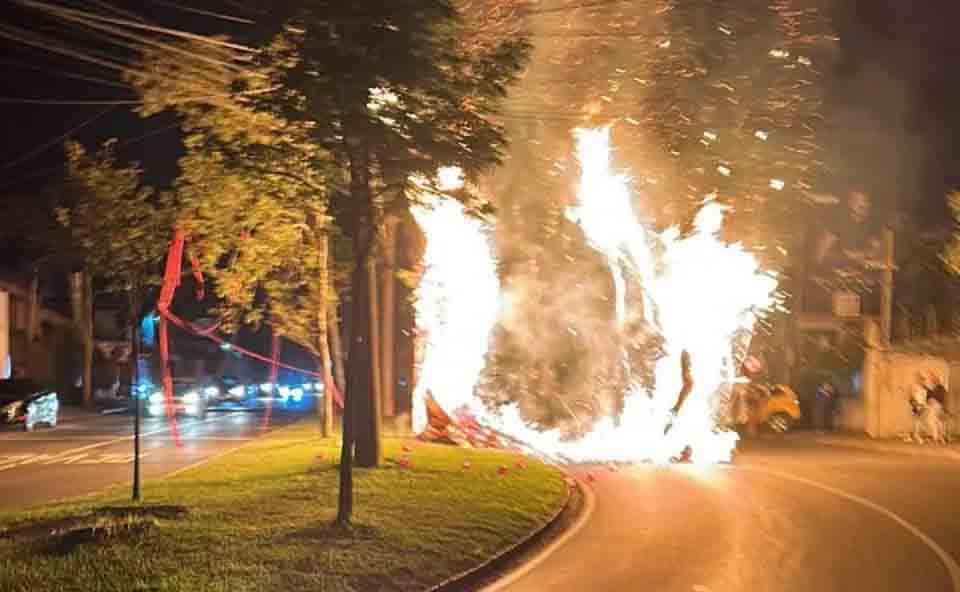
(918, 406)
(822, 405)
(936, 399)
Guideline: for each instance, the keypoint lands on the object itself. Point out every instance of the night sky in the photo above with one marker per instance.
(892, 111)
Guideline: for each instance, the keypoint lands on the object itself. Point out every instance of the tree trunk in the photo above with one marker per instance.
(325, 408)
(388, 319)
(82, 300)
(369, 449)
(33, 328)
(358, 395)
(336, 347)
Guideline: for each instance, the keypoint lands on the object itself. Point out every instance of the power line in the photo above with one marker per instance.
(242, 6)
(117, 10)
(126, 142)
(52, 46)
(65, 73)
(218, 15)
(120, 32)
(47, 145)
(59, 10)
(29, 101)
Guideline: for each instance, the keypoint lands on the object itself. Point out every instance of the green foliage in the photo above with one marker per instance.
(390, 84)
(373, 93)
(253, 188)
(120, 227)
(951, 255)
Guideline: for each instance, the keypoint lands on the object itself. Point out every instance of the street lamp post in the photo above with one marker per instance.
(137, 395)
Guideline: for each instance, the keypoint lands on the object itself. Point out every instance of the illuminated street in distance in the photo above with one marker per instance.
(88, 453)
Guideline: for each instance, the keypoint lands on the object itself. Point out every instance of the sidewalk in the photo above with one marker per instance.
(896, 446)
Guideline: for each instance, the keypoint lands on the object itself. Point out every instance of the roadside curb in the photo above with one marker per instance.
(479, 576)
(931, 451)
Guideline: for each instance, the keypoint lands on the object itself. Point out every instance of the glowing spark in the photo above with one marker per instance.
(450, 178)
(805, 61)
(761, 135)
(381, 97)
(779, 54)
(777, 184)
(724, 170)
(710, 136)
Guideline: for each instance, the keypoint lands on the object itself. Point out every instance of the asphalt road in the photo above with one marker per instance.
(787, 516)
(88, 452)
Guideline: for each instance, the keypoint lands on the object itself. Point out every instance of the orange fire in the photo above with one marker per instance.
(701, 294)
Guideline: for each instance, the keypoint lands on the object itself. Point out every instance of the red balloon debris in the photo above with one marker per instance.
(406, 448)
(405, 462)
(503, 470)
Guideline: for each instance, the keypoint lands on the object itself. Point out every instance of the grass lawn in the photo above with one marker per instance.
(259, 519)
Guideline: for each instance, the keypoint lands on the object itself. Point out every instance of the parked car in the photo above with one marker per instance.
(24, 402)
(778, 409)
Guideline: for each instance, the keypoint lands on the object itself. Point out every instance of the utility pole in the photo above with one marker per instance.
(886, 295)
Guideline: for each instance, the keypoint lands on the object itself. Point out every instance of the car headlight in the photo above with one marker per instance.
(237, 391)
(156, 398)
(211, 391)
(191, 397)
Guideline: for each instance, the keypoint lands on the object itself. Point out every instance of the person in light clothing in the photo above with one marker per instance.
(918, 406)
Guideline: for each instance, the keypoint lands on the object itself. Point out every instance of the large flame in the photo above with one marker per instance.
(457, 305)
(701, 294)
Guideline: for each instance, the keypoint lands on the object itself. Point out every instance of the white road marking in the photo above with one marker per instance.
(589, 503)
(74, 451)
(948, 561)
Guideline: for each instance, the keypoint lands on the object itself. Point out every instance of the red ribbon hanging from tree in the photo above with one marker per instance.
(171, 281)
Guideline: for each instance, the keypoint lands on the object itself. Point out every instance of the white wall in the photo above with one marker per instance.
(889, 378)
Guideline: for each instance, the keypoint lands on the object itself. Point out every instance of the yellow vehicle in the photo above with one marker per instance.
(777, 408)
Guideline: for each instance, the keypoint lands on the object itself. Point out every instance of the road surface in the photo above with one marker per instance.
(787, 516)
(88, 452)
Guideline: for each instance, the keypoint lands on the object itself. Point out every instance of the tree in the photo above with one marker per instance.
(354, 102)
(119, 226)
(951, 254)
(398, 100)
(253, 189)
